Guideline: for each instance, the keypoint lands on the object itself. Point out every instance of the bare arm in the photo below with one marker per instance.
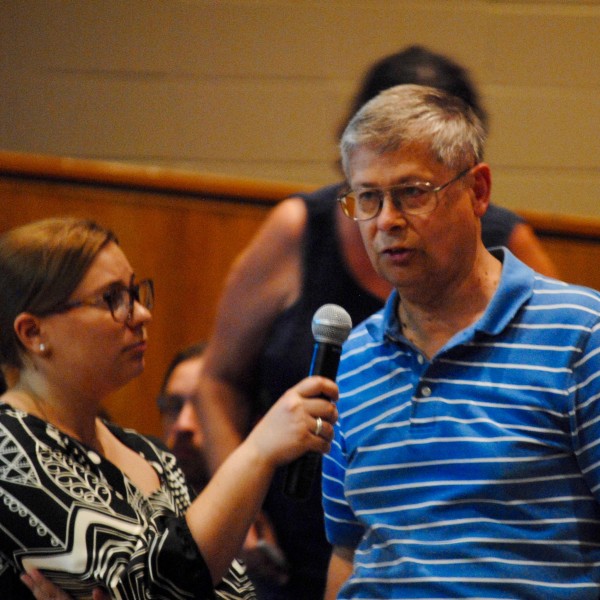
(219, 518)
(340, 568)
(525, 245)
(264, 280)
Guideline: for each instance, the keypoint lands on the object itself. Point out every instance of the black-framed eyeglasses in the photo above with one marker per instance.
(411, 198)
(119, 299)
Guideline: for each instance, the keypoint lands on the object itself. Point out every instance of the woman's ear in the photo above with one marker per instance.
(27, 328)
(482, 188)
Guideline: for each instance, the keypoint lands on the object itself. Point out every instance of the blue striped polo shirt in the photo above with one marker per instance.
(475, 474)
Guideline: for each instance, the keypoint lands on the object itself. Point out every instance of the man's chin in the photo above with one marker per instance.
(193, 465)
(187, 459)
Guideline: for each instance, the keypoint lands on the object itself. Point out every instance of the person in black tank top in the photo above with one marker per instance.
(299, 525)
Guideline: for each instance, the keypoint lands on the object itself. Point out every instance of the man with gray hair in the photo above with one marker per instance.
(466, 461)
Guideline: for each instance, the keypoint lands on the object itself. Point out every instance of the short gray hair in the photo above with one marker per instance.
(406, 114)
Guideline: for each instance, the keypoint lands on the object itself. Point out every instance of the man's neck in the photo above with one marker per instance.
(429, 323)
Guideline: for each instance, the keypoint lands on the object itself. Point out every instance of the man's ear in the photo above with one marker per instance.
(27, 328)
(482, 188)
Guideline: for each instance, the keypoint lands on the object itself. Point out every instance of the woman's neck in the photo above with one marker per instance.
(75, 418)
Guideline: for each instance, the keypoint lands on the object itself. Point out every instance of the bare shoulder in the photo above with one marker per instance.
(525, 245)
(285, 223)
(274, 252)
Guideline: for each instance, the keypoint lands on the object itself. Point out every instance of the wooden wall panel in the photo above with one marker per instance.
(577, 260)
(185, 244)
(184, 229)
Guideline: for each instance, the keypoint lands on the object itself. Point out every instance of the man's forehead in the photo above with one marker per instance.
(184, 375)
(405, 163)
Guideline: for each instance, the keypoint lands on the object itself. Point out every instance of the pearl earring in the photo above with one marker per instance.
(42, 347)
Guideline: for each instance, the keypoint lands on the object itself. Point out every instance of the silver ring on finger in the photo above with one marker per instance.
(319, 427)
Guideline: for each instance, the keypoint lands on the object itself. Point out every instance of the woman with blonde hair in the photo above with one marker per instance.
(88, 504)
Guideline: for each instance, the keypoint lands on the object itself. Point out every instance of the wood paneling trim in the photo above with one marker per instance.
(146, 177)
(185, 229)
(207, 185)
(563, 226)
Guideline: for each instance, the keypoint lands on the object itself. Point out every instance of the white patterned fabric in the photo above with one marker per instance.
(74, 515)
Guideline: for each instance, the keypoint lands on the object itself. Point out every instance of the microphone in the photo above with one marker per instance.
(331, 325)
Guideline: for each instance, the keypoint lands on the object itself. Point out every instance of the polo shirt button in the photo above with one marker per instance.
(426, 391)
(420, 359)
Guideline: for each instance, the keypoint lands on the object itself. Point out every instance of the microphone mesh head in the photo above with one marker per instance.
(331, 324)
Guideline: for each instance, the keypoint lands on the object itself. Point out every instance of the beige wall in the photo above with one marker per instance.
(257, 88)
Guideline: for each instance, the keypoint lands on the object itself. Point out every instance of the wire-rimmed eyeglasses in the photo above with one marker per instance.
(411, 198)
(119, 299)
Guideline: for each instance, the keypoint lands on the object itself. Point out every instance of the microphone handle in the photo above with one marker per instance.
(301, 473)
(325, 360)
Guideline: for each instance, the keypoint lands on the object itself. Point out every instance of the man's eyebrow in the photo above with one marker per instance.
(400, 181)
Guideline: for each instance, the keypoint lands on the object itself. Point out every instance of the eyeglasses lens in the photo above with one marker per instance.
(170, 405)
(121, 301)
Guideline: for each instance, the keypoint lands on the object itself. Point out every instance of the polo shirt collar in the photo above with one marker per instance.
(514, 289)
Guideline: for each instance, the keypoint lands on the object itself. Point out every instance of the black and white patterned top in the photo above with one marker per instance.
(74, 515)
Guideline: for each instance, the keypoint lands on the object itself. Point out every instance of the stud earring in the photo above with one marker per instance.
(42, 347)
